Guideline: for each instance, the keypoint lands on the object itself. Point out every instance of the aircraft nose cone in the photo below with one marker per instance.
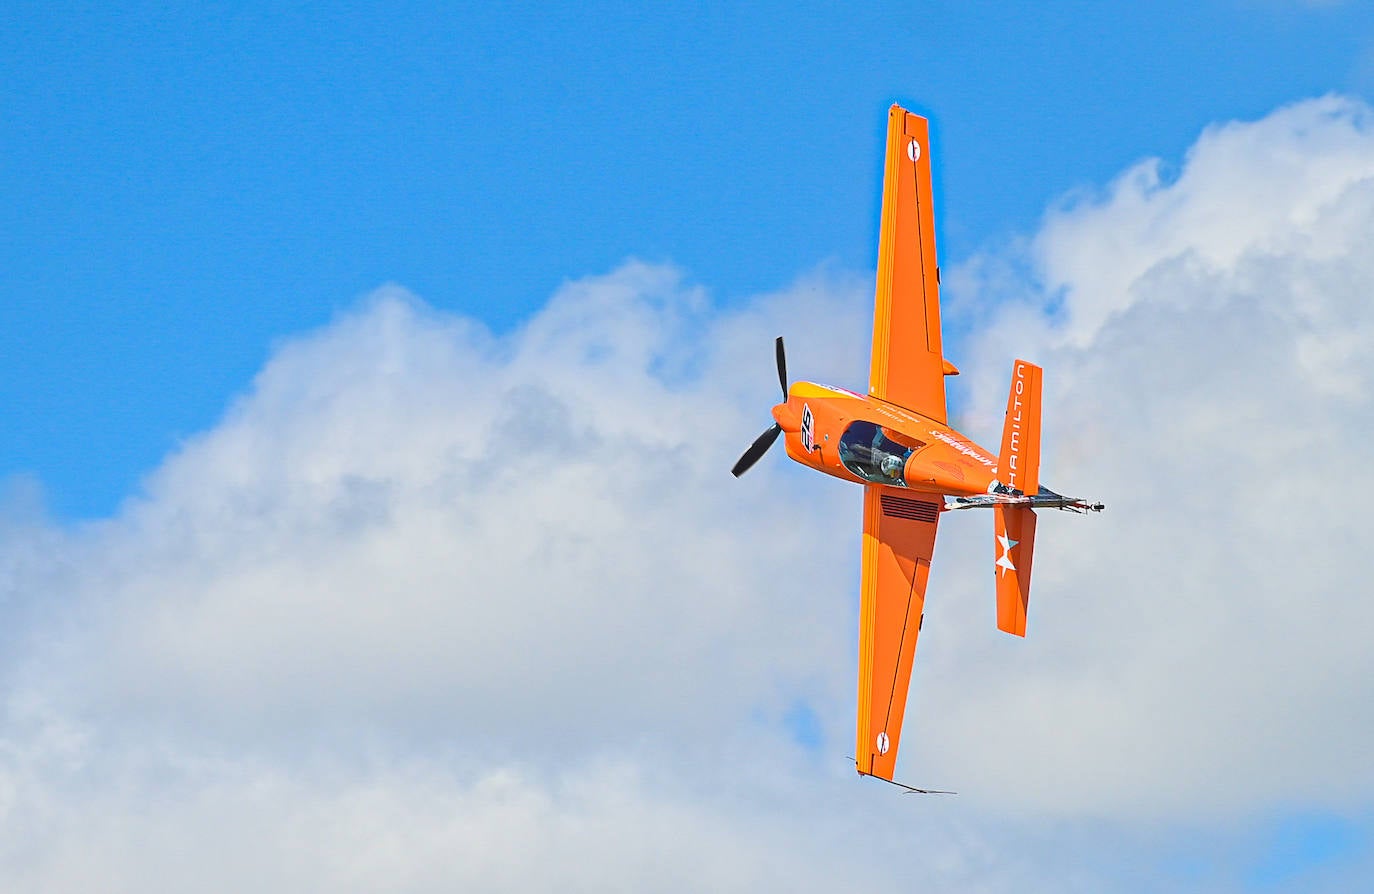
(786, 417)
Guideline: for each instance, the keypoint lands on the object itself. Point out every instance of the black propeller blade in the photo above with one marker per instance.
(782, 368)
(757, 449)
(765, 440)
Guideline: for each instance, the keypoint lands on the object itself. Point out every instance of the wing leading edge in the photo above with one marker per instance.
(899, 539)
(908, 366)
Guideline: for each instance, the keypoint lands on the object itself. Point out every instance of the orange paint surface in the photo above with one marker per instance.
(897, 443)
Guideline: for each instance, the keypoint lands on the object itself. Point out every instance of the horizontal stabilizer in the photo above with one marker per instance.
(1045, 499)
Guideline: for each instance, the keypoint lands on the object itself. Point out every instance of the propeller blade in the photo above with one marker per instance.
(782, 368)
(757, 449)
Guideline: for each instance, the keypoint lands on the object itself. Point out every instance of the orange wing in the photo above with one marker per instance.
(908, 366)
(899, 538)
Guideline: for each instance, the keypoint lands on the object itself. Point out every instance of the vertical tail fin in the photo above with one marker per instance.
(1018, 468)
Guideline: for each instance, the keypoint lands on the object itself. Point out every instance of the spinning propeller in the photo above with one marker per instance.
(765, 440)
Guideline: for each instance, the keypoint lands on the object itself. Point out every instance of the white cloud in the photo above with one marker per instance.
(410, 525)
(434, 609)
(1204, 645)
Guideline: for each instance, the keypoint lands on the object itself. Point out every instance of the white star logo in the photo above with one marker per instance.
(1005, 561)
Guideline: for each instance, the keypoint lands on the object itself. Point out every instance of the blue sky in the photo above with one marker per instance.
(186, 186)
(206, 210)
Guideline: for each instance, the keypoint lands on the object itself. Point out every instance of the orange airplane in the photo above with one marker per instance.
(895, 441)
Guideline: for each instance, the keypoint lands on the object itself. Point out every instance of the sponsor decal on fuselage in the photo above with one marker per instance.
(963, 447)
(838, 390)
(808, 428)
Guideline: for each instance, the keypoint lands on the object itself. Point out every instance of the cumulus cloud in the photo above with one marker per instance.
(409, 525)
(435, 608)
(1203, 646)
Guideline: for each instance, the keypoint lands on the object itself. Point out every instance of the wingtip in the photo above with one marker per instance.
(907, 789)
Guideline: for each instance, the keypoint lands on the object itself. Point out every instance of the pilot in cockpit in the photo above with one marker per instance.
(867, 451)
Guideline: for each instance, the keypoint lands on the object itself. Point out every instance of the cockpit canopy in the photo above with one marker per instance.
(867, 451)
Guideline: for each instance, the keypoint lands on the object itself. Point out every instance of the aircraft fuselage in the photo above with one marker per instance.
(870, 441)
